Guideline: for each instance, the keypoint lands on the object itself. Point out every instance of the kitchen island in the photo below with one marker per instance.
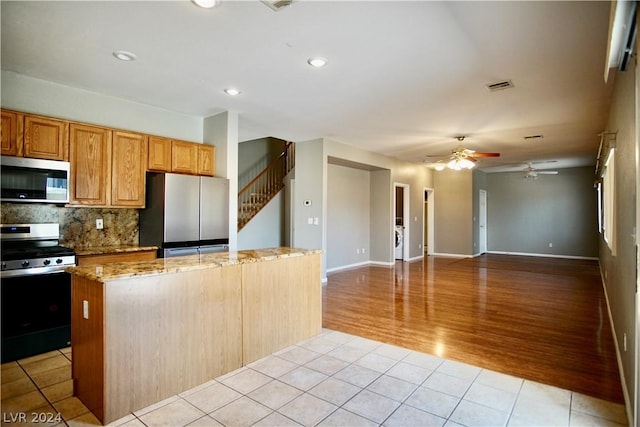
(144, 331)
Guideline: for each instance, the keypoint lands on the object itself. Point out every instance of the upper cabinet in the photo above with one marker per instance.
(90, 157)
(45, 138)
(128, 169)
(159, 154)
(27, 135)
(184, 157)
(11, 130)
(107, 167)
(206, 159)
(167, 155)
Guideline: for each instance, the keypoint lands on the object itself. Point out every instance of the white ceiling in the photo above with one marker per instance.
(404, 77)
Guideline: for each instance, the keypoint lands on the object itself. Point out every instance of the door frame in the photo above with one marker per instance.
(429, 225)
(482, 217)
(405, 217)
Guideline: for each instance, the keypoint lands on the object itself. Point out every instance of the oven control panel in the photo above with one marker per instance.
(37, 265)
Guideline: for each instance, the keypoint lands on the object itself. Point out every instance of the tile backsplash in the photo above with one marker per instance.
(78, 225)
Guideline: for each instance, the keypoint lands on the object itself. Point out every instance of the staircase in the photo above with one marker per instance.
(261, 189)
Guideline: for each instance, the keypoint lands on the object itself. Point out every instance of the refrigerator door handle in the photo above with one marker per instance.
(180, 252)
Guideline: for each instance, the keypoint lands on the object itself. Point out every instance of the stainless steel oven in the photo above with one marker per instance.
(36, 290)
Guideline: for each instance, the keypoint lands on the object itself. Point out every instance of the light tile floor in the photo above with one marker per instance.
(333, 379)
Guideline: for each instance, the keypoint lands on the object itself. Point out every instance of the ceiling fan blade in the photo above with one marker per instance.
(484, 155)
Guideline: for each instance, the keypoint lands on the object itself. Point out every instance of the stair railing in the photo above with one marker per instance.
(261, 189)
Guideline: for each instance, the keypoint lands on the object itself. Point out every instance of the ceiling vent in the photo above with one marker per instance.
(506, 84)
(276, 5)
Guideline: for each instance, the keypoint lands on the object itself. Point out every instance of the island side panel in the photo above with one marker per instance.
(281, 304)
(87, 341)
(168, 333)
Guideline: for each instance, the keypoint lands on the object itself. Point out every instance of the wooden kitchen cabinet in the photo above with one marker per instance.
(159, 157)
(11, 130)
(129, 161)
(184, 157)
(46, 138)
(90, 157)
(206, 159)
(107, 258)
(167, 155)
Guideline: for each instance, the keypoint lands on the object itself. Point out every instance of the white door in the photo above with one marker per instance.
(482, 222)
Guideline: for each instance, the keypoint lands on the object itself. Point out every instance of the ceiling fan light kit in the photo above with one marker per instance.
(462, 158)
(207, 4)
(460, 163)
(531, 173)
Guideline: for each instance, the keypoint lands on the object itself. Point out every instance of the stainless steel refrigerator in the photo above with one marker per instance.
(185, 214)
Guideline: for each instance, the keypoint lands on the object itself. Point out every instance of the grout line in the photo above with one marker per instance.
(378, 375)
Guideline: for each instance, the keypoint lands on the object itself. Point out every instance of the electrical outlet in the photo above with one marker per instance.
(624, 342)
(85, 309)
(99, 224)
(358, 250)
(550, 244)
(363, 251)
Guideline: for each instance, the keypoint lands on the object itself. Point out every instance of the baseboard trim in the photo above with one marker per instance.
(450, 255)
(542, 255)
(345, 267)
(625, 392)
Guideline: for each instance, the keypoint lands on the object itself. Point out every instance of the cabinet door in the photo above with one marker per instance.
(206, 159)
(90, 157)
(159, 154)
(128, 169)
(184, 157)
(46, 138)
(11, 130)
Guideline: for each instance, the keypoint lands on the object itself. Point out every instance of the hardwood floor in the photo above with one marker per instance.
(543, 319)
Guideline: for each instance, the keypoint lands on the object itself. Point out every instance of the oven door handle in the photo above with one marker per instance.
(50, 269)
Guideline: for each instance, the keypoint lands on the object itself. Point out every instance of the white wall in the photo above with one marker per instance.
(312, 174)
(619, 270)
(526, 216)
(348, 213)
(265, 230)
(453, 212)
(27, 94)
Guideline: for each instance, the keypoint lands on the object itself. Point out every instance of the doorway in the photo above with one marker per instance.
(482, 222)
(401, 222)
(428, 223)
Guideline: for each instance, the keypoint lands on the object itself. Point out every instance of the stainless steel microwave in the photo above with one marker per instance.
(34, 180)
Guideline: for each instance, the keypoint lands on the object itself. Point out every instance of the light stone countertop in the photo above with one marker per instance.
(122, 270)
(103, 250)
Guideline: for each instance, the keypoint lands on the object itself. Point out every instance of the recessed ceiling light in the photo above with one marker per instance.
(232, 91)
(317, 61)
(207, 4)
(123, 55)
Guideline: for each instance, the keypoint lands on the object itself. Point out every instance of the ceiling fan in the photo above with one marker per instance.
(531, 173)
(462, 158)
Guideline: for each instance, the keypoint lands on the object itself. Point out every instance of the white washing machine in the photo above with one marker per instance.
(399, 251)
